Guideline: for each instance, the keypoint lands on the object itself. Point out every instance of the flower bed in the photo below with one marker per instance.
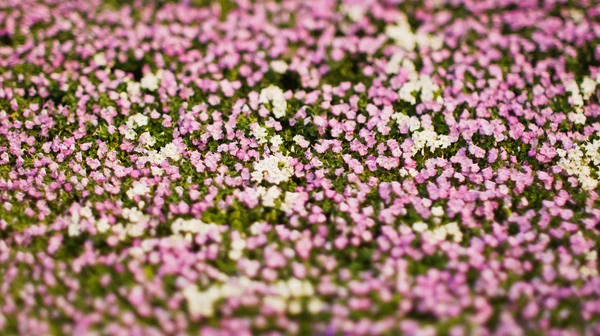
(299, 167)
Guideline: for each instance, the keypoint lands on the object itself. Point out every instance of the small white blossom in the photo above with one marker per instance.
(354, 11)
(588, 87)
(437, 211)
(274, 169)
(100, 59)
(279, 66)
(150, 82)
(130, 134)
(147, 139)
(419, 227)
(276, 141)
(171, 151)
(137, 120)
(137, 189)
(274, 96)
(260, 133)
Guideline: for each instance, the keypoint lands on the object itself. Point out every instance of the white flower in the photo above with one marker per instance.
(274, 169)
(294, 307)
(393, 65)
(269, 196)
(237, 246)
(275, 303)
(274, 95)
(100, 59)
(137, 189)
(133, 88)
(413, 124)
(402, 35)
(588, 87)
(181, 225)
(279, 66)
(577, 164)
(137, 120)
(260, 133)
(171, 151)
(289, 201)
(315, 306)
(155, 157)
(577, 118)
(102, 225)
(150, 82)
(406, 92)
(276, 141)
(454, 230)
(130, 134)
(147, 139)
(422, 83)
(576, 97)
(134, 215)
(201, 303)
(156, 171)
(592, 256)
(354, 11)
(419, 227)
(437, 211)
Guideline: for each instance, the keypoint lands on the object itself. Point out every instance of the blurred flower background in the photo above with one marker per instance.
(299, 167)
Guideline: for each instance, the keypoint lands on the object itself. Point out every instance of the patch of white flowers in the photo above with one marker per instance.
(576, 97)
(439, 233)
(587, 271)
(429, 139)
(146, 139)
(268, 195)
(187, 227)
(422, 138)
(396, 62)
(76, 222)
(403, 36)
(259, 133)
(422, 83)
(100, 59)
(135, 228)
(276, 141)
(133, 88)
(354, 11)
(279, 66)
(588, 87)
(133, 122)
(289, 201)
(137, 120)
(151, 81)
(201, 303)
(138, 188)
(287, 295)
(171, 151)
(275, 97)
(274, 169)
(577, 163)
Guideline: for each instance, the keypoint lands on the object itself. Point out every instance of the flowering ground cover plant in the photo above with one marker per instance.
(299, 167)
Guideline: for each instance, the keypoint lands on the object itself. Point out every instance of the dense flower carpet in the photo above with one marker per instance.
(392, 167)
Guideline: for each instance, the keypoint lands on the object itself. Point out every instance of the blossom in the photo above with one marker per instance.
(274, 169)
(274, 96)
(150, 82)
(279, 66)
(100, 59)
